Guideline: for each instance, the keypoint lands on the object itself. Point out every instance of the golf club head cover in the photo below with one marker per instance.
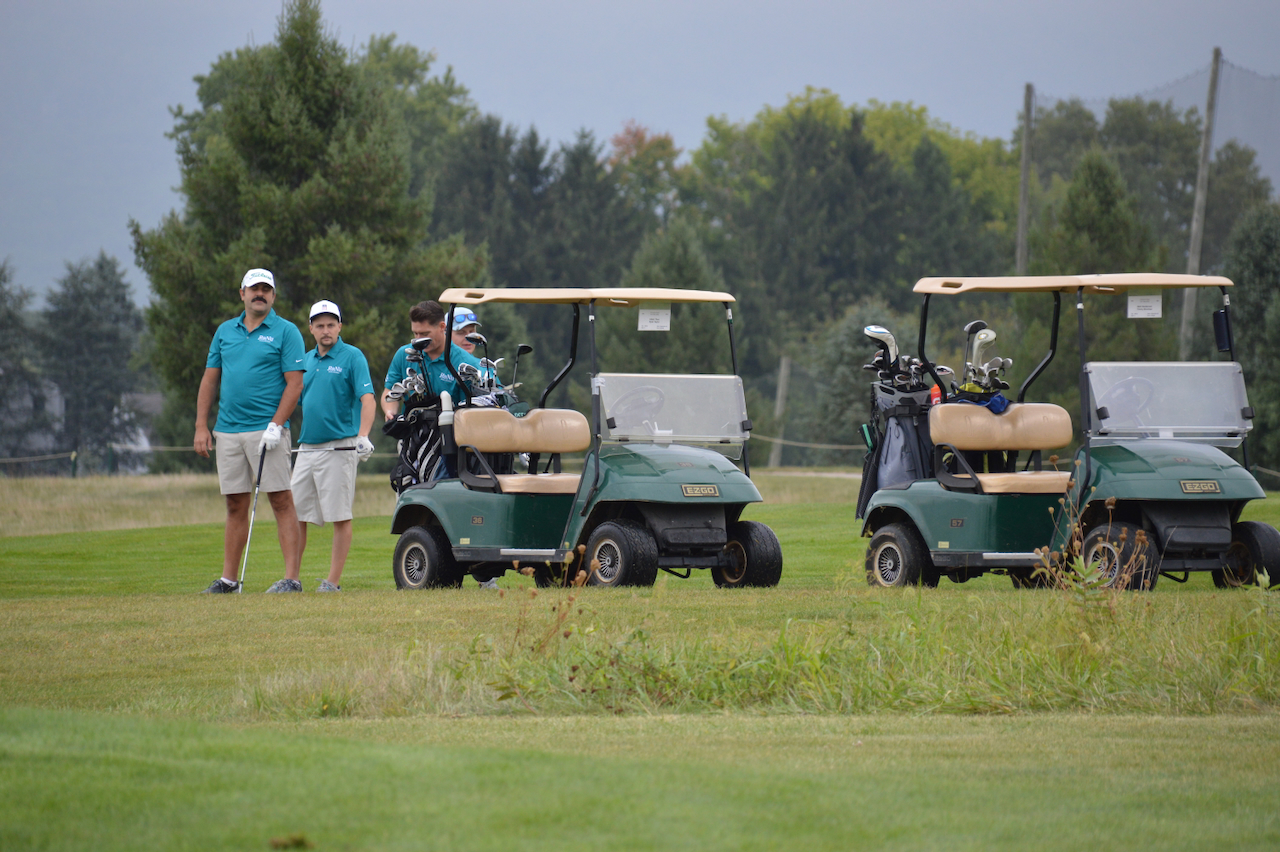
(364, 448)
(270, 438)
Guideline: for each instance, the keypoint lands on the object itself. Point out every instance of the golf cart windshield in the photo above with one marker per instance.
(661, 408)
(1202, 402)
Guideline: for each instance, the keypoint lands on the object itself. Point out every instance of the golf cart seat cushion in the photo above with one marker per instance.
(542, 483)
(1024, 482)
(542, 430)
(1022, 426)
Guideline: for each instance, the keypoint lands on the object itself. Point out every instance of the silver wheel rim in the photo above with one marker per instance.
(888, 563)
(1106, 556)
(609, 555)
(737, 570)
(415, 564)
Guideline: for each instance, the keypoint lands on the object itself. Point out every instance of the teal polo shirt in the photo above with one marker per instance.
(253, 364)
(332, 386)
(438, 375)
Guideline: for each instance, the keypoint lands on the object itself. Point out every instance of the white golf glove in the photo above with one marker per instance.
(270, 438)
(364, 448)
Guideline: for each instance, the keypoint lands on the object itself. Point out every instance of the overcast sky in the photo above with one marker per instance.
(85, 85)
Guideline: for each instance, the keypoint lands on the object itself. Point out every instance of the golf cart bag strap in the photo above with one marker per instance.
(542, 430)
(1022, 426)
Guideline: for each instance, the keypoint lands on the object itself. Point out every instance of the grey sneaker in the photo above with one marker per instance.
(285, 585)
(491, 583)
(326, 586)
(221, 587)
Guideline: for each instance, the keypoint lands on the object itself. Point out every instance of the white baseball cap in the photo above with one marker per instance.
(464, 316)
(258, 276)
(324, 306)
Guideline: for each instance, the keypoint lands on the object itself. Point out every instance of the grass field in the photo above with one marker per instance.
(135, 713)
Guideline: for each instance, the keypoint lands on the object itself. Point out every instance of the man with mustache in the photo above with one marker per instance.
(254, 371)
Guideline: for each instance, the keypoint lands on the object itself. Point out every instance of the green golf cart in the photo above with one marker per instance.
(1150, 491)
(658, 487)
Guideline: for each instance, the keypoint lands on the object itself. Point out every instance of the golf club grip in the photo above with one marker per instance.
(262, 459)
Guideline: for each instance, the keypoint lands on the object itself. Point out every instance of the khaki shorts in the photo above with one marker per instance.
(237, 454)
(324, 481)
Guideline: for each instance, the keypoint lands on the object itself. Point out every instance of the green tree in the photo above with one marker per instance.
(298, 160)
(1097, 230)
(87, 334)
(698, 341)
(22, 415)
(647, 169)
(1253, 264)
(1236, 186)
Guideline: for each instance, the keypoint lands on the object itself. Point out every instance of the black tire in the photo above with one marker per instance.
(424, 560)
(755, 557)
(1028, 578)
(897, 557)
(626, 553)
(1113, 546)
(1254, 545)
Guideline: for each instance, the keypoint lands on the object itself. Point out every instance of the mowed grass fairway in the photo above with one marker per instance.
(137, 714)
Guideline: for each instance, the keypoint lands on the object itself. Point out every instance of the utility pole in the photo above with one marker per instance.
(780, 408)
(1024, 187)
(1197, 217)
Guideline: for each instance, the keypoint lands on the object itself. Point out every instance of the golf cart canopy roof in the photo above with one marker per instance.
(626, 297)
(1112, 283)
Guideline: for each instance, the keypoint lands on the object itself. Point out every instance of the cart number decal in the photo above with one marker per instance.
(700, 490)
(477, 520)
(1200, 486)
(957, 522)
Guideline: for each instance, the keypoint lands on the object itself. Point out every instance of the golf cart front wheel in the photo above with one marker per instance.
(1123, 562)
(1254, 546)
(424, 560)
(896, 557)
(621, 553)
(753, 557)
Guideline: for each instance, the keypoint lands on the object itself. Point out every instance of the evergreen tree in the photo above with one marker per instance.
(1253, 264)
(22, 415)
(91, 364)
(298, 160)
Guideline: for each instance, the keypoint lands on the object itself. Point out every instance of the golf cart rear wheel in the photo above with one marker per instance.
(754, 557)
(424, 560)
(1112, 548)
(1254, 546)
(896, 557)
(621, 553)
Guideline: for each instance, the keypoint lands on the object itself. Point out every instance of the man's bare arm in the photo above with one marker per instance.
(288, 399)
(204, 401)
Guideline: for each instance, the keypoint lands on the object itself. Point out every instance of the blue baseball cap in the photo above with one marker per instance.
(463, 317)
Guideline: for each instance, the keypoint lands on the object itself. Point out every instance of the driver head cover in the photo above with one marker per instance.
(463, 316)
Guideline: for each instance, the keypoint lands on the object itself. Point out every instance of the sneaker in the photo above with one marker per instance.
(491, 583)
(221, 587)
(285, 585)
(326, 586)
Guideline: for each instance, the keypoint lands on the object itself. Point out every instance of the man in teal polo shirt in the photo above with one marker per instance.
(427, 319)
(337, 414)
(254, 371)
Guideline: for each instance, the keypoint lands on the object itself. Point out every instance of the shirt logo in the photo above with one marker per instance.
(335, 369)
(266, 338)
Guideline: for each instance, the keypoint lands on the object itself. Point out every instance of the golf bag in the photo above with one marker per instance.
(899, 448)
(420, 445)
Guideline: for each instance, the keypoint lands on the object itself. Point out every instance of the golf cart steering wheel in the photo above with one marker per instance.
(1127, 399)
(637, 405)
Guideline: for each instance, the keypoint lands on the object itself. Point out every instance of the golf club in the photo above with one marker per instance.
(475, 338)
(522, 349)
(262, 457)
(885, 338)
(981, 341)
